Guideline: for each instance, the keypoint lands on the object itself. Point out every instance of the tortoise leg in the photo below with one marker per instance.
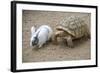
(69, 41)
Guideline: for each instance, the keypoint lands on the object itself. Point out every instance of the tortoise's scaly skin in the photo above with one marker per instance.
(72, 28)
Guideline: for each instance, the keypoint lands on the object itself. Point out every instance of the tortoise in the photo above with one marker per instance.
(71, 28)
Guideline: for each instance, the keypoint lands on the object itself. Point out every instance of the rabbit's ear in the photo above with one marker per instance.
(33, 30)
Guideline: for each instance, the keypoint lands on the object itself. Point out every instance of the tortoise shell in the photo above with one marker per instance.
(73, 25)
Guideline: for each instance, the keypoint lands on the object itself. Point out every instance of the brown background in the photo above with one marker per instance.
(51, 52)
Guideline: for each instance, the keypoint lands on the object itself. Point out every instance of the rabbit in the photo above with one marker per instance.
(40, 36)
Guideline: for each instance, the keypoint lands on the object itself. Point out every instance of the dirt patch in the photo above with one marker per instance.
(51, 52)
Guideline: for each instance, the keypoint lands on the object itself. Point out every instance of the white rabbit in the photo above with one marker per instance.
(42, 34)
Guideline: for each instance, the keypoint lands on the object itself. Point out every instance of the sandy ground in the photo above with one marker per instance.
(51, 52)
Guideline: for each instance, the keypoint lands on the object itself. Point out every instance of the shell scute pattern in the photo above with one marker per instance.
(74, 25)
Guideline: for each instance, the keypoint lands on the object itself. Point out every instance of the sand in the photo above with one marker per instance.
(51, 52)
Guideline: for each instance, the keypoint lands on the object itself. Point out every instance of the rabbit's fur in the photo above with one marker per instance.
(40, 36)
